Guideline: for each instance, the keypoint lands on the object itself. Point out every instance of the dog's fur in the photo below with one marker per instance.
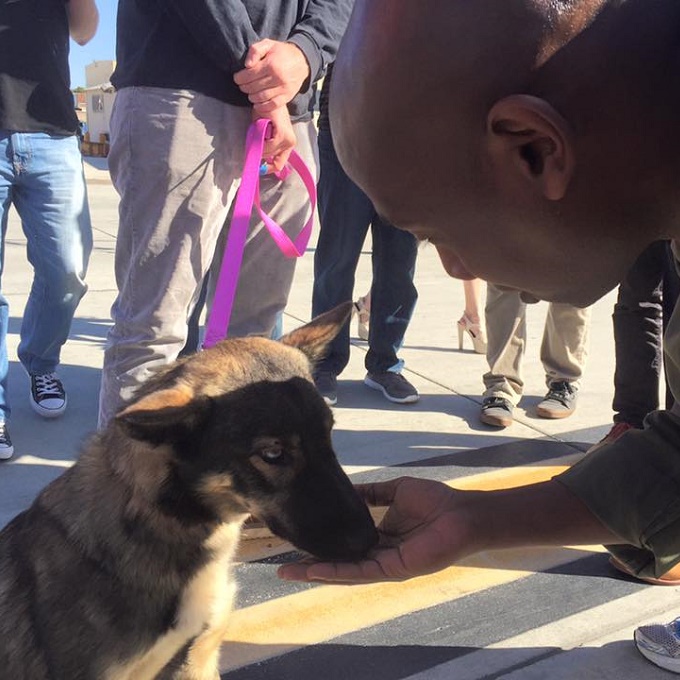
(120, 570)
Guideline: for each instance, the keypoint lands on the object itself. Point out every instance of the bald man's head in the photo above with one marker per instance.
(535, 140)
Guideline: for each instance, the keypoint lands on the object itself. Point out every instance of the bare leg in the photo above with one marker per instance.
(473, 299)
(471, 321)
(363, 310)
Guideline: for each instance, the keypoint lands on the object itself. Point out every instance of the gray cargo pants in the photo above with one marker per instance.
(175, 160)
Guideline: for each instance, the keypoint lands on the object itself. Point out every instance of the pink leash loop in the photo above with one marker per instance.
(247, 196)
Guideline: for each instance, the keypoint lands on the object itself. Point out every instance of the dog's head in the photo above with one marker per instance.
(245, 431)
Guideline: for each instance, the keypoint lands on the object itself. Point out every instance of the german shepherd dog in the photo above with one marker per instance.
(120, 570)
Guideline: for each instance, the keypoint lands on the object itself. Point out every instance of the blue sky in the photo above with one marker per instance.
(102, 46)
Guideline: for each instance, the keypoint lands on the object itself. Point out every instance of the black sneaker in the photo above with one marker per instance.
(6, 448)
(496, 411)
(393, 386)
(560, 402)
(48, 397)
(327, 385)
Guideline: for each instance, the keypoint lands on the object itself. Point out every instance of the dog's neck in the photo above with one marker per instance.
(152, 525)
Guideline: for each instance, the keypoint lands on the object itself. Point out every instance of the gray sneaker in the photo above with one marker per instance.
(496, 411)
(660, 644)
(560, 402)
(394, 387)
(327, 385)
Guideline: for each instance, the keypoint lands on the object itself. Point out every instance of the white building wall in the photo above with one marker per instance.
(100, 97)
(99, 72)
(99, 104)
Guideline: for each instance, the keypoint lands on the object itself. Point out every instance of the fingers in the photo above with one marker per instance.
(249, 78)
(266, 94)
(274, 73)
(258, 88)
(278, 162)
(277, 153)
(257, 52)
(367, 571)
(253, 68)
(266, 107)
(379, 493)
(265, 90)
(278, 147)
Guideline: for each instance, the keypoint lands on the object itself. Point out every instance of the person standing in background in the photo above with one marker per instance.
(41, 174)
(191, 76)
(345, 214)
(564, 350)
(644, 305)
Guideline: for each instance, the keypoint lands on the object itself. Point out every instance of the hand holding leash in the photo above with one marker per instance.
(279, 141)
(249, 195)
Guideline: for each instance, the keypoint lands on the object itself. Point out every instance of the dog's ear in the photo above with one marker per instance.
(313, 338)
(159, 415)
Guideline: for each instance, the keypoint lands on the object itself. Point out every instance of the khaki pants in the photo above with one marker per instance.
(176, 159)
(563, 350)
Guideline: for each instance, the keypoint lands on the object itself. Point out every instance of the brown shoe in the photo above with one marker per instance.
(670, 578)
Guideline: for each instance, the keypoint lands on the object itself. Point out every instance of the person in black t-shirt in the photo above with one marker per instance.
(41, 174)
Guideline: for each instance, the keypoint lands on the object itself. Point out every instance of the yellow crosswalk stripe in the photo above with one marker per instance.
(278, 626)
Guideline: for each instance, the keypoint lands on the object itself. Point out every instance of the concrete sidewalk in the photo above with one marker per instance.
(591, 640)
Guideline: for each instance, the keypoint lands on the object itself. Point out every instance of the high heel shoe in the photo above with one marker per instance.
(363, 318)
(476, 333)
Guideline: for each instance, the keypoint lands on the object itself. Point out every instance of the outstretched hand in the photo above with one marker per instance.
(424, 530)
(429, 526)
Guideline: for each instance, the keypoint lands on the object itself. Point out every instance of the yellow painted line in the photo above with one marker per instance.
(282, 625)
(313, 616)
(507, 478)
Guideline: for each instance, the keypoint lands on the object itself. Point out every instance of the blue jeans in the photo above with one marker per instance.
(42, 176)
(345, 214)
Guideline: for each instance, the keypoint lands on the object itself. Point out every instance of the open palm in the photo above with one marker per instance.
(420, 533)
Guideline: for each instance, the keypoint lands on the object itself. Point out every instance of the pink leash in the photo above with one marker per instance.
(249, 195)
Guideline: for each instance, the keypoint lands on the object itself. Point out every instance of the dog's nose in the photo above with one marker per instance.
(357, 544)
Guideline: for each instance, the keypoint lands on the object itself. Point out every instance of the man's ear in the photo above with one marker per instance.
(526, 135)
(314, 338)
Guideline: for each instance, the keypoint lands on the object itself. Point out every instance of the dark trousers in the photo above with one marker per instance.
(345, 214)
(646, 300)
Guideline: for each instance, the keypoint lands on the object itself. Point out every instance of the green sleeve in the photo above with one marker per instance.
(633, 485)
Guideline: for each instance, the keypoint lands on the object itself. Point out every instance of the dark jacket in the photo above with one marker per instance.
(35, 94)
(199, 44)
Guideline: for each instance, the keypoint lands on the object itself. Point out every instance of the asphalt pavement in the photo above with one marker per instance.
(518, 615)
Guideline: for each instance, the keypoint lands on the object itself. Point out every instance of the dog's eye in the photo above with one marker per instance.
(273, 455)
